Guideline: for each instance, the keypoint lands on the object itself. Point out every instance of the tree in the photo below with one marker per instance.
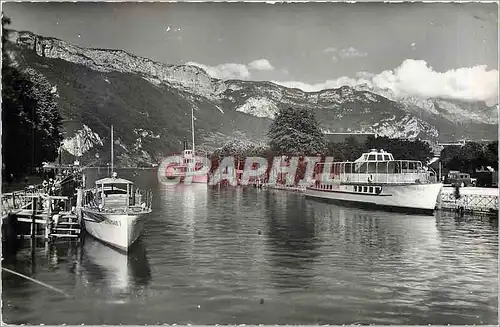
(295, 131)
(30, 119)
(491, 155)
(402, 149)
(348, 150)
(470, 157)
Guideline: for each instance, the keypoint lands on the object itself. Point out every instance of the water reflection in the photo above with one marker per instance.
(112, 272)
(291, 239)
(213, 254)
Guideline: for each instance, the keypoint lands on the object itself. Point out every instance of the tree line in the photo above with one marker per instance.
(296, 132)
(470, 157)
(31, 123)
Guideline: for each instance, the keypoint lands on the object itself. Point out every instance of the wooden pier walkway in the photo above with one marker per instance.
(47, 216)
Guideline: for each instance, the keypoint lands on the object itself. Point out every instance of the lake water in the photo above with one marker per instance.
(234, 256)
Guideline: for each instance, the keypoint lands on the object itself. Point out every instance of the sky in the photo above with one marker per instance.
(434, 49)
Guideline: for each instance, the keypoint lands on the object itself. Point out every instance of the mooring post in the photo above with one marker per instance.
(33, 224)
(79, 204)
(48, 219)
(33, 213)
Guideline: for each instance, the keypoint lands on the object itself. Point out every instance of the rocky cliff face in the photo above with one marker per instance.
(188, 78)
(99, 87)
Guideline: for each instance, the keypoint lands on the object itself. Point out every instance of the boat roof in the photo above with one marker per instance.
(111, 180)
(386, 156)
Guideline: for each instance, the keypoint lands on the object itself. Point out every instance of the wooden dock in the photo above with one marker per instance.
(38, 215)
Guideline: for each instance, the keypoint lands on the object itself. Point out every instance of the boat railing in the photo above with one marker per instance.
(141, 198)
(387, 172)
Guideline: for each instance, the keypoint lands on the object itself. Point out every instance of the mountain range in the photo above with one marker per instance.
(149, 103)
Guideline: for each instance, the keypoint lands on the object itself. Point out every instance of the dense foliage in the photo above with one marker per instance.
(30, 119)
(295, 131)
(401, 149)
(470, 157)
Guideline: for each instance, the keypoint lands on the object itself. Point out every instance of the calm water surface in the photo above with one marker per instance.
(233, 256)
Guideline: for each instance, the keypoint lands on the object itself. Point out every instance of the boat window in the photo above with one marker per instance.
(382, 167)
(387, 157)
(371, 189)
(404, 165)
(372, 167)
(355, 188)
(362, 168)
(380, 157)
(365, 188)
(348, 167)
(371, 157)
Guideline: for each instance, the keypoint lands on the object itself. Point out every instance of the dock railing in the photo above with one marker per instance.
(14, 201)
(470, 202)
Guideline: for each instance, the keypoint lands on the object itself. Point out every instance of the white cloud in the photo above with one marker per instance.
(351, 53)
(346, 53)
(261, 64)
(234, 71)
(416, 78)
(225, 71)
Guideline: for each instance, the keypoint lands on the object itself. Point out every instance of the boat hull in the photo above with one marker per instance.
(414, 198)
(117, 230)
(200, 179)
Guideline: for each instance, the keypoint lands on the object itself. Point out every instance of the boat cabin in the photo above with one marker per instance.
(374, 167)
(113, 191)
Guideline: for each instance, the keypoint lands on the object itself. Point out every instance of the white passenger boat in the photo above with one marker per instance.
(115, 210)
(377, 180)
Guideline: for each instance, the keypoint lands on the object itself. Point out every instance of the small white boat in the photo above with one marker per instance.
(115, 210)
(377, 180)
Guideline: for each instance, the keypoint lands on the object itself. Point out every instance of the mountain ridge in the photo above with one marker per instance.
(225, 108)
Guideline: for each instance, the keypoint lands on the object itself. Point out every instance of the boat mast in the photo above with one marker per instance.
(112, 162)
(192, 127)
